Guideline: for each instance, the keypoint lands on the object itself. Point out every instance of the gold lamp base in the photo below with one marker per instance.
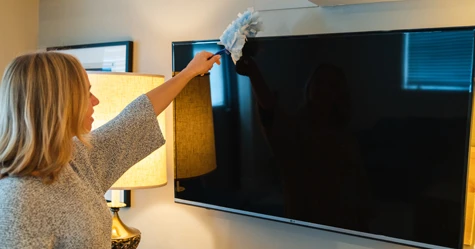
(123, 236)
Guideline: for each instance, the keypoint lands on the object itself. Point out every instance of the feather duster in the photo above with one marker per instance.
(248, 24)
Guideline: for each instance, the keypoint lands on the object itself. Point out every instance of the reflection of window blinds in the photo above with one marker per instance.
(439, 60)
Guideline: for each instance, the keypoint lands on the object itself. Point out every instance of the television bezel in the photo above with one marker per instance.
(335, 229)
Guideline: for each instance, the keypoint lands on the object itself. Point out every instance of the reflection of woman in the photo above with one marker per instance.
(321, 170)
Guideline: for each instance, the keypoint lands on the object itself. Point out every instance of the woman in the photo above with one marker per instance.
(53, 172)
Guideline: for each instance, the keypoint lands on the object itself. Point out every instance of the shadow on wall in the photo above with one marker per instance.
(254, 233)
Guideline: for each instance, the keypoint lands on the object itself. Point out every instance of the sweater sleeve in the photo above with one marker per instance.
(119, 144)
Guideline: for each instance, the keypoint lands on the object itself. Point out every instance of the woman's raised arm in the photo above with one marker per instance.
(163, 95)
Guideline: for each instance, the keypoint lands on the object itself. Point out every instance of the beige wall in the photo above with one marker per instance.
(153, 25)
(18, 29)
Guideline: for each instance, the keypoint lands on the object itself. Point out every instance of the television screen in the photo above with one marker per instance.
(358, 133)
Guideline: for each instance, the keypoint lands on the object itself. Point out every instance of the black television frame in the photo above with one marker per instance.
(334, 229)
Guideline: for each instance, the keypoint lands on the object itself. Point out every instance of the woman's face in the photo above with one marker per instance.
(93, 101)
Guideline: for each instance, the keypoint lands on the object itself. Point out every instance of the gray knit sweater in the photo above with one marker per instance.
(72, 212)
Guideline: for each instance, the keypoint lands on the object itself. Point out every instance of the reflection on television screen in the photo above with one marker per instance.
(361, 133)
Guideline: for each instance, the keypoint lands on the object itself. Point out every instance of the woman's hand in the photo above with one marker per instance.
(202, 63)
(163, 95)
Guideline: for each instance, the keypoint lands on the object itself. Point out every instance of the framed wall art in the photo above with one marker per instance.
(107, 57)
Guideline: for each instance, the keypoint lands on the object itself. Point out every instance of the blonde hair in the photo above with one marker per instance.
(44, 98)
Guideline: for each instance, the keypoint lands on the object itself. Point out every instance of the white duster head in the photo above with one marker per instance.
(248, 24)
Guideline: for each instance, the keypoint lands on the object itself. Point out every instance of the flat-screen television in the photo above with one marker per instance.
(363, 133)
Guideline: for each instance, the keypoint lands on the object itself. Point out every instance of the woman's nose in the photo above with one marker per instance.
(95, 100)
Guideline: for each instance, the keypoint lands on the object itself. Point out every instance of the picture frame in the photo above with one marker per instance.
(106, 57)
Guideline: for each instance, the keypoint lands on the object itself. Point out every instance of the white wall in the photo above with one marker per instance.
(153, 25)
(18, 29)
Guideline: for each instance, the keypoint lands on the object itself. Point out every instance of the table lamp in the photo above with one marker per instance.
(115, 91)
(469, 227)
(194, 146)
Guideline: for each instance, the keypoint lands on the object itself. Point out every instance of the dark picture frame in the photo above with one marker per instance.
(106, 57)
